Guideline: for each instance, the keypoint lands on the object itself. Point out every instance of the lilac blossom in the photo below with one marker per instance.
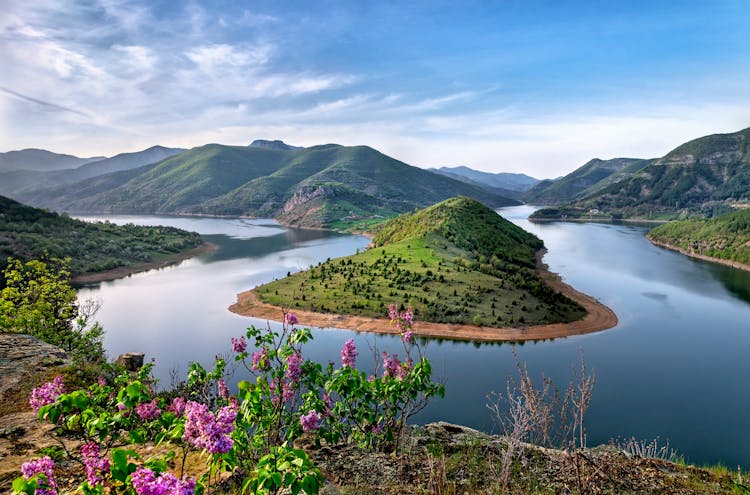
(391, 364)
(101, 381)
(145, 482)
(43, 466)
(349, 354)
(294, 367)
(178, 406)
(260, 360)
(96, 466)
(206, 431)
(47, 393)
(223, 390)
(290, 319)
(148, 410)
(287, 391)
(239, 345)
(311, 420)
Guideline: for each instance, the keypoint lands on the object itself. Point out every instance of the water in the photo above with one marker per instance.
(675, 367)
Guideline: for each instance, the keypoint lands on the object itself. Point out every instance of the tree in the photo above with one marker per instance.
(37, 299)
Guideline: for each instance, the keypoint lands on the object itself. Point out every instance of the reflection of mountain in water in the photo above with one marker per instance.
(258, 247)
(736, 281)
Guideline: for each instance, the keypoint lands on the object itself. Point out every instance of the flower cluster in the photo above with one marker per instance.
(148, 410)
(206, 431)
(294, 367)
(47, 393)
(43, 466)
(403, 320)
(290, 319)
(145, 482)
(394, 368)
(223, 390)
(311, 420)
(178, 406)
(239, 345)
(96, 466)
(260, 360)
(349, 354)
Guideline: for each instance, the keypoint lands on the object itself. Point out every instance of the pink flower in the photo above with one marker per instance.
(101, 381)
(349, 354)
(47, 393)
(239, 345)
(43, 466)
(223, 389)
(206, 431)
(260, 360)
(290, 319)
(294, 367)
(311, 420)
(145, 482)
(178, 406)
(148, 410)
(407, 337)
(96, 467)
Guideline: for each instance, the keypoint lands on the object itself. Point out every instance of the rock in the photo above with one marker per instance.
(131, 361)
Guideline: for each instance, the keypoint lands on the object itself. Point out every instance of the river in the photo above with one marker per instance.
(676, 367)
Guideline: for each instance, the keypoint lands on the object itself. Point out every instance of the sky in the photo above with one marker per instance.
(526, 86)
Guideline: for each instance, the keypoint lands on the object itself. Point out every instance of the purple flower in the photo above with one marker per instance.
(223, 389)
(148, 410)
(178, 406)
(287, 391)
(206, 431)
(43, 466)
(239, 345)
(392, 312)
(391, 364)
(96, 467)
(47, 393)
(311, 420)
(407, 337)
(403, 320)
(101, 381)
(260, 360)
(349, 353)
(290, 319)
(294, 367)
(145, 482)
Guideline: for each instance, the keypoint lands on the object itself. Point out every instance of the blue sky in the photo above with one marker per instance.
(517, 86)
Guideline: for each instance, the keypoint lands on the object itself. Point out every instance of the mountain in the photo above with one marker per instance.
(274, 145)
(40, 160)
(454, 262)
(502, 181)
(584, 181)
(702, 177)
(726, 237)
(319, 186)
(30, 233)
(20, 182)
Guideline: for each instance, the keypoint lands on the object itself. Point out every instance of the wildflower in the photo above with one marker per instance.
(178, 406)
(239, 345)
(349, 353)
(47, 393)
(260, 360)
(223, 389)
(96, 467)
(145, 482)
(206, 431)
(290, 319)
(294, 367)
(311, 420)
(391, 364)
(43, 466)
(148, 410)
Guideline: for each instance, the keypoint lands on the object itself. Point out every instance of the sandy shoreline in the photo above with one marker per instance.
(124, 271)
(730, 263)
(598, 317)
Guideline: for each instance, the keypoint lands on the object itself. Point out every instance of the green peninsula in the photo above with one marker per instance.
(454, 262)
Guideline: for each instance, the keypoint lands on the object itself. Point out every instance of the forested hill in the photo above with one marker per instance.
(726, 237)
(454, 262)
(319, 186)
(30, 233)
(699, 178)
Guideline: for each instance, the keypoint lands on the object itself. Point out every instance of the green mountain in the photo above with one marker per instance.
(593, 176)
(30, 233)
(319, 186)
(703, 177)
(726, 237)
(40, 160)
(454, 262)
(505, 184)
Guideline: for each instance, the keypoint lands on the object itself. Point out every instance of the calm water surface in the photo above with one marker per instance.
(676, 367)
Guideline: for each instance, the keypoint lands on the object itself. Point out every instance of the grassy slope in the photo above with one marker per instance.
(30, 233)
(456, 261)
(725, 237)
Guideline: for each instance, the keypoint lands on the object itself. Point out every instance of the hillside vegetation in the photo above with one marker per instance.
(454, 262)
(320, 186)
(726, 237)
(29, 233)
(704, 177)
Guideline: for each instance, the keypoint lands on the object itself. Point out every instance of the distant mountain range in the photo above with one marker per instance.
(40, 160)
(274, 145)
(320, 186)
(505, 184)
(703, 177)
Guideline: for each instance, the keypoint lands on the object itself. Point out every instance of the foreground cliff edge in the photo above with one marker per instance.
(468, 273)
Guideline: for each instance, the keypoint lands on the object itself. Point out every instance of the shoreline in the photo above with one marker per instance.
(598, 317)
(703, 257)
(124, 271)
